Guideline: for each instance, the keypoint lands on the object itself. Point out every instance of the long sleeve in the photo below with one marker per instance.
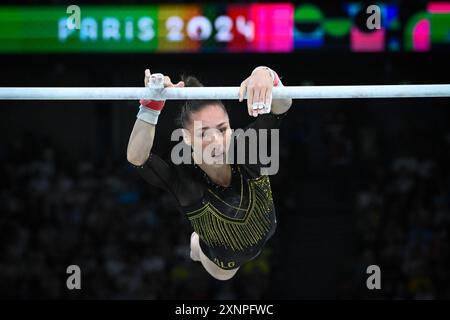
(159, 173)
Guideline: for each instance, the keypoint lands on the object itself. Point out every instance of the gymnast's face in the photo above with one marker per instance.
(209, 134)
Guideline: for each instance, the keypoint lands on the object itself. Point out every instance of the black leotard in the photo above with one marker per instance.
(233, 223)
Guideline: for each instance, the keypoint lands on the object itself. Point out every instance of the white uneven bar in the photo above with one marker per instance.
(294, 92)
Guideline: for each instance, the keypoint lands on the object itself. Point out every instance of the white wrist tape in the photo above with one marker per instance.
(148, 115)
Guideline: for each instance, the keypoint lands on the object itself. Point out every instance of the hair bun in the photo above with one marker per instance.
(191, 81)
(194, 105)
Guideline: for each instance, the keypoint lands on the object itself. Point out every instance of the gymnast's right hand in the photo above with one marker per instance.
(167, 83)
(150, 109)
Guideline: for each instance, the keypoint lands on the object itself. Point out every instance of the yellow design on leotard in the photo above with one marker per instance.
(216, 229)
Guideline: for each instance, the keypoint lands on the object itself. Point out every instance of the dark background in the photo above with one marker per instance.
(361, 182)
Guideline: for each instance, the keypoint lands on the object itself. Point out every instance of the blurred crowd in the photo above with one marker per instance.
(402, 214)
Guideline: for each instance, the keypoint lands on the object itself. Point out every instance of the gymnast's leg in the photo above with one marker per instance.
(198, 255)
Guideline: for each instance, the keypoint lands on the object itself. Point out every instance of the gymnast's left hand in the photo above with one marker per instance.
(259, 87)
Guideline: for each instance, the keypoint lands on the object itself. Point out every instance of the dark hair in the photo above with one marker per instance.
(191, 106)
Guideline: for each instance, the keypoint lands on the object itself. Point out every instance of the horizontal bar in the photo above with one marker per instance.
(294, 92)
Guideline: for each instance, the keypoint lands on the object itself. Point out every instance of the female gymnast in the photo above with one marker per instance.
(229, 205)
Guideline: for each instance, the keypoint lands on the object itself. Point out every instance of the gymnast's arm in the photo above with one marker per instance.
(280, 106)
(143, 134)
(151, 167)
(140, 142)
